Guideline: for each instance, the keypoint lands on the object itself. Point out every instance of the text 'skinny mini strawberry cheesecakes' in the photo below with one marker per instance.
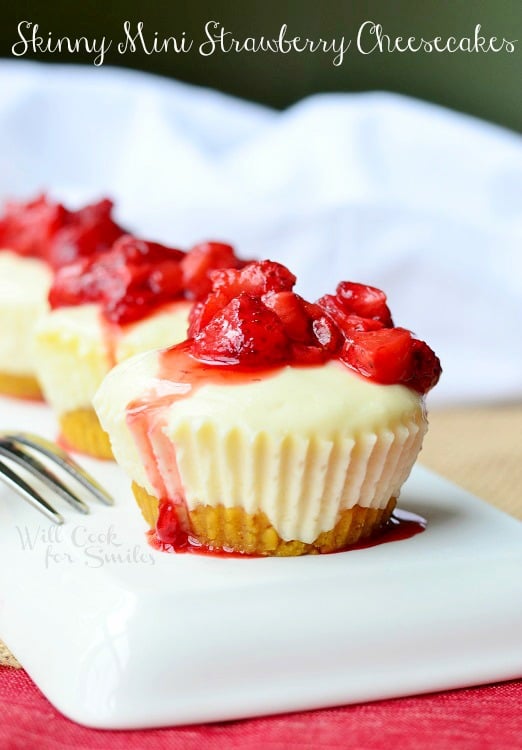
(105, 308)
(36, 238)
(279, 427)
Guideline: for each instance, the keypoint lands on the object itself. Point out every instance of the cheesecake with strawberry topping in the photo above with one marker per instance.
(279, 427)
(132, 298)
(37, 238)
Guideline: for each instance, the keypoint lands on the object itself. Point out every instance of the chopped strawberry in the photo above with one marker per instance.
(257, 278)
(47, 230)
(202, 312)
(305, 354)
(244, 332)
(166, 278)
(88, 231)
(291, 311)
(363, 325)
(327, 334)
(253, 318)
(199, 261)
(266, 276)
(28, 228)
(364, 301)
(129, 280)
(347, 322)
(227, 281)
(384, 356)
(70, 283)
(392, 355)
(331, 305)
(133, 278)
(132, 251)
(195, 319)
(426, 369)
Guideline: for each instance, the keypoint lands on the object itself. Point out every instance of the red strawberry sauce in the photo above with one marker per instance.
(180, 374)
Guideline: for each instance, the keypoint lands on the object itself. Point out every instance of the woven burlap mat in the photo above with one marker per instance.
(478, 448)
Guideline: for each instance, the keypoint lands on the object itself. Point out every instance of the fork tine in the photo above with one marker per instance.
(23, 458)
(60, 457)
(28, 493)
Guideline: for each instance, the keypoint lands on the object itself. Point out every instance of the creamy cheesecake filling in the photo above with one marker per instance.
(300, 444)
(76, 348)
(24, 285)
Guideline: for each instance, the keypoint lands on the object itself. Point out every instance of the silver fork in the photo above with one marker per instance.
(26, 450)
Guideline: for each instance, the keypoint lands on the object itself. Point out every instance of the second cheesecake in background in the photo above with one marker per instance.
(133, 298)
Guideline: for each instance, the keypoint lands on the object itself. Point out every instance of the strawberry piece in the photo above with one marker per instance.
(304, 354)
(49, 231)
(327, 334)
(195, 319)
(199, 261)
(227, 281)
(87, 231)
(364, 301)
(331, 305)
(266, 276)
(355, 323)
(129, 280)
(244, 332)
(28, 228)
(133, 252)
(149, 275)
(426, 369)
(315, 337)
(384, 356)
(165, 279)
(325, 331)
(253, 318)
(291, 310)
(202, 312)
(392, 355)
(70, 284)
(257, 278)
(347, 322)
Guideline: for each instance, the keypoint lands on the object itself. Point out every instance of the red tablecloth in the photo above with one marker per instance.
(486, 718)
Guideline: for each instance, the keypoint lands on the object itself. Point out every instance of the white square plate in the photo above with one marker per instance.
(117, 635)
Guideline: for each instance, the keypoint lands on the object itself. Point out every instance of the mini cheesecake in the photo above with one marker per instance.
(24, 285)
(131, 299)
(279, 427)
(36, 238)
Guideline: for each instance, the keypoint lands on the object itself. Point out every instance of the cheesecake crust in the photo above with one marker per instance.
(81, 431)
(21, 386)
(235, 529)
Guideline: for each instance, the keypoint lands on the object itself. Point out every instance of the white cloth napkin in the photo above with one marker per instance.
(421, 201)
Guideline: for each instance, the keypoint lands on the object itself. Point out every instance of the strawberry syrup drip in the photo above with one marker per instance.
(179, 376)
